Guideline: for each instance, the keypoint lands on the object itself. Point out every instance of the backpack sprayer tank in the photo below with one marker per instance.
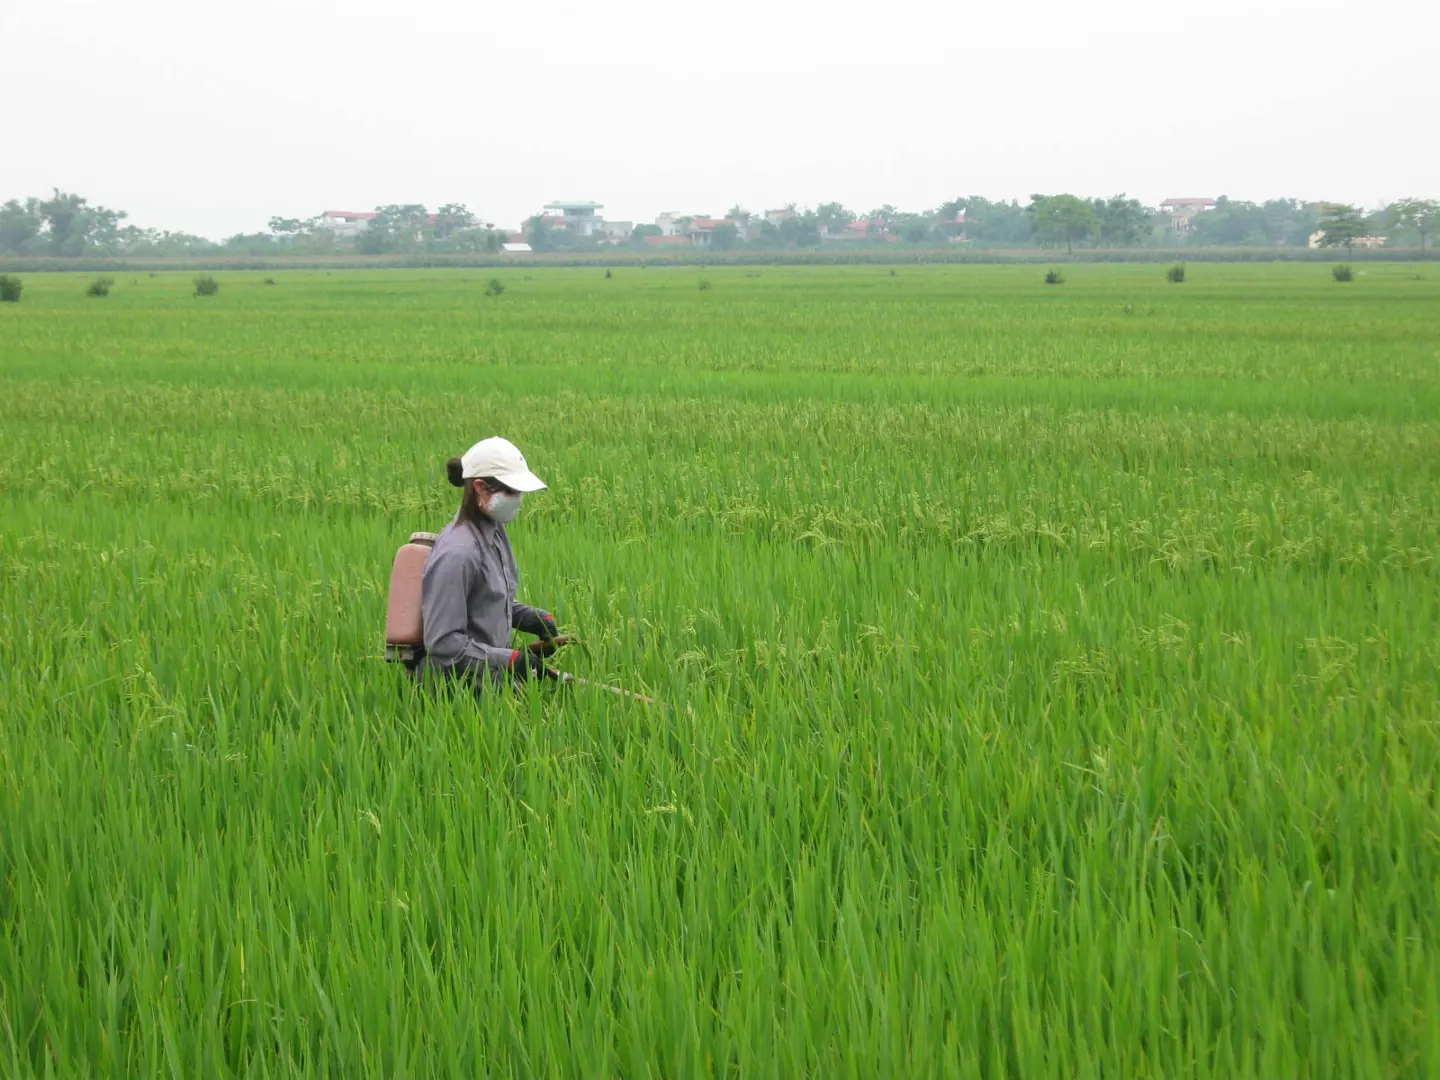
(404, 633)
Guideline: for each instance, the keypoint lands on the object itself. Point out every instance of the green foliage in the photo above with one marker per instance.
(1342, 273)
(1175, 274)
(832, 217)
(99, 287)
(1045, 692)
(269, 281)
(608, 274)
(1054, 277)
(20, 225)
(494, 287)
(206, 285)
(1236, 223)
(1419, 217)
(1122, 221)
(1003, 643)
(724, 237)
(10, 289)
(1062, 219)
(1342, 225)
(704, 285)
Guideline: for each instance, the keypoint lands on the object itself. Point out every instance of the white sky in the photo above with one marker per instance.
(212, 117)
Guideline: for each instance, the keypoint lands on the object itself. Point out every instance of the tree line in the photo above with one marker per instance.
(66, 225)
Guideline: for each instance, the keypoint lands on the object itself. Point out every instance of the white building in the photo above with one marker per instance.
(580, 218)
(1179, 214)
(345, 222)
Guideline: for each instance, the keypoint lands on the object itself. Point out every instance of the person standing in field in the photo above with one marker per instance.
(469, 586)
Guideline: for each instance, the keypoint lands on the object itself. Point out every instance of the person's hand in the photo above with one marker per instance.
(538, 622)
(528, 664)
(547, 647)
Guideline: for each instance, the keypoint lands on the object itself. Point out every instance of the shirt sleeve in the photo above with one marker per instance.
(532, 620)
(443, 612)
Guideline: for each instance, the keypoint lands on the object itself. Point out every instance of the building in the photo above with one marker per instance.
(1317, 239)
(1178, 215)
(703, 228)
(580, 218)
(516, 249)
(775, 217)
(616, 231)
(344, 222)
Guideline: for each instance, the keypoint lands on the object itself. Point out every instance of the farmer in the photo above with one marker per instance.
(468, 590)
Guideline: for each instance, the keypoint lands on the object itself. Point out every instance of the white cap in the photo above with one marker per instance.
(501, 459)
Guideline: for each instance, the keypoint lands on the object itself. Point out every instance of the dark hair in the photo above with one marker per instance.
(469, 501)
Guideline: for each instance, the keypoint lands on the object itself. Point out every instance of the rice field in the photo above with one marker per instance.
(1048, 676)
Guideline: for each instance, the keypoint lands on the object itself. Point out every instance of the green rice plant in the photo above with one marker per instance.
(1054, 277)
(494, 287)
(1045, 692)
(1175, 274)
(10, 289)
(704, 284)
(206, 285)
(99, 286)
(1342, 273)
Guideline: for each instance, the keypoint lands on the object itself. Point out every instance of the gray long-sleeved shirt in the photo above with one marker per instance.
(467, 599)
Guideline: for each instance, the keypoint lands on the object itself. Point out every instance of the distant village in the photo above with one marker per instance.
(67, 225)
(570, 224)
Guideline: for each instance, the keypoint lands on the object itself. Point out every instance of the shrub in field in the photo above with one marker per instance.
(10, 289)
(1343, 273)
(1176, 274)
(205, 285)
(1054, 277)
(99, 287)
(608, 275)
(494, 287)
(704, 285)
(269, 281)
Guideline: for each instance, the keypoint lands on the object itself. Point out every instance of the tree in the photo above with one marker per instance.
(283, 226)
(833, 217)
(451, 218)
(73, 226)
(539, 233)
(724, 237)
(1421, 216)
(739, 214)
(20, 224)
(1123, 222)
(1341, 225)
(800, 231)
(881, 217)
(395, 227)
(684, 224)
(1062, 219)
(640, 232)
(483, 239)
(997, 222)
(915, 230)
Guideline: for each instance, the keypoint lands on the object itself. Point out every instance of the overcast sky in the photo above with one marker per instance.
(211, 118)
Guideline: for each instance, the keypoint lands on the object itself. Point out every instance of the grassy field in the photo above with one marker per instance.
(1049, 677)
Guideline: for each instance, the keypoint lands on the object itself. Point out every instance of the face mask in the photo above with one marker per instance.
(504, 506)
